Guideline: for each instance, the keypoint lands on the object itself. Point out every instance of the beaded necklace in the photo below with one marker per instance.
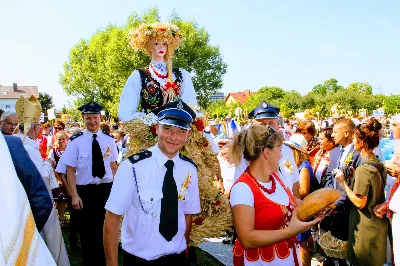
(267, 190)
(161, 76)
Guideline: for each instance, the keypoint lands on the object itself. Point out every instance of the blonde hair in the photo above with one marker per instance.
(62, 134)
(141, 36)
(299, 156)
(250, 143)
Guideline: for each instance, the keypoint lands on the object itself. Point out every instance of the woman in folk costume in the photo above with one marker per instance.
(262, 205)
(158, 83)
(29, 112)
(20, 241)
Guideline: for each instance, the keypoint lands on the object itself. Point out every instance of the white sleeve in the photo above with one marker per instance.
(38, 161)
(212, 142)
(49, 141)
(188, 93)
(241, 194)
(114, 152)
(70, 156)
(51, 154)
(130, 97)
(290, 177)
(192, 205)
(122, 190)
(61, 168)
(394, 204)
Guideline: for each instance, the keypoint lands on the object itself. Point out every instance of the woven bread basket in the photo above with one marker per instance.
(333, 247)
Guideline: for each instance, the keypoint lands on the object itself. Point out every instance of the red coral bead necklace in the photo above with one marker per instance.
(161, 76)
(266, 190)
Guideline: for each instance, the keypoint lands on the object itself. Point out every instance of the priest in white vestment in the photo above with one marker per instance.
(29, 112)
(20, 242)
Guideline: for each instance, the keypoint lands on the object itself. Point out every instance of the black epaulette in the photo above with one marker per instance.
(108, 134)
(183, 157)
(140, 156)
(76, 135)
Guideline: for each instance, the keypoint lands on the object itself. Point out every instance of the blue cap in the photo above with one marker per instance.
(176, 113)
(265, 110)
(91, 108)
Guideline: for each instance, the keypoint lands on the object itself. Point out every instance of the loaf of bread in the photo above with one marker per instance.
(318, 201)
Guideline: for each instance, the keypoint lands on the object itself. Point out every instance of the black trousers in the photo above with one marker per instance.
(73, 226)
(173, 259)
(91, 221)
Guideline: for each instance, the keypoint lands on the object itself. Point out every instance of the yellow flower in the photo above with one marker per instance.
(187, 181)
(108, 151)
(349, 158)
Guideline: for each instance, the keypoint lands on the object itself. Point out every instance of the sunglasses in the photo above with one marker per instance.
(58, 128)
(271, 132)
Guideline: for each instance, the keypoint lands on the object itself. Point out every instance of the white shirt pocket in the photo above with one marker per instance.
(149, 212)
(82, 159)
(150, 201)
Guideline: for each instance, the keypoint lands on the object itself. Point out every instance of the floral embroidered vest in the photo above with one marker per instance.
(269, 215)
(152, 95)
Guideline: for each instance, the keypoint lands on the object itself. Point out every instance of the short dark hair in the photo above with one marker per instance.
(328, 133)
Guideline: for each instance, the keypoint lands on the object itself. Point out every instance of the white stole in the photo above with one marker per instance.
(20, 242)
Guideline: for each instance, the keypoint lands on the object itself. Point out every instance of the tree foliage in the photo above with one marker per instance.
(46, 101)
(98, 68)
(356, 96)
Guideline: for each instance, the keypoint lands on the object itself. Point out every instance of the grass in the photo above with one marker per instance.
(203, 258)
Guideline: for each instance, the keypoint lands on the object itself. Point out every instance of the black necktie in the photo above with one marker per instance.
(169, 204)
(97, 159)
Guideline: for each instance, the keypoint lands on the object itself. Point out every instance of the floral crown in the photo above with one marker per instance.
(140, 36)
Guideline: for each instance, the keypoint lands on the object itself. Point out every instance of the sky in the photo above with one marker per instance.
(291, 44)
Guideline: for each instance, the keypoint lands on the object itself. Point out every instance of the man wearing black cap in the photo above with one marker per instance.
(268, 115)
(157, 192)
(91, 157)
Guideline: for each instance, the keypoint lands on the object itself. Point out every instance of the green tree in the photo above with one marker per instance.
(98, 68)
(360, 87)
(268, 94)
(391, 104)
(217, 109)
(46, 101)
(329, 86)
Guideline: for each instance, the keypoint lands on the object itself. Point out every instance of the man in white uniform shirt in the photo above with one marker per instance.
(267, 114)
(157, 192)
(91, 157)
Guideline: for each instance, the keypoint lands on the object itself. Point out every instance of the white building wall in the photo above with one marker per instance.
(7, 103)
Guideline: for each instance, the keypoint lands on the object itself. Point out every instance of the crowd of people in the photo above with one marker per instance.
(266, 167)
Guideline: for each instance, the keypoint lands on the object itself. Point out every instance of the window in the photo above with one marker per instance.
(8, 106)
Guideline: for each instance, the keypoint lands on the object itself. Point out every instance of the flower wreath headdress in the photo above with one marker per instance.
(140, 37)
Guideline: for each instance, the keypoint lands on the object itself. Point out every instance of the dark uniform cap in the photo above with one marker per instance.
(265, 110)
(91, 108)
(176, 113)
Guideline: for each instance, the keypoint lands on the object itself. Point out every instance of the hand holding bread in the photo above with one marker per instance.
(318, 203)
